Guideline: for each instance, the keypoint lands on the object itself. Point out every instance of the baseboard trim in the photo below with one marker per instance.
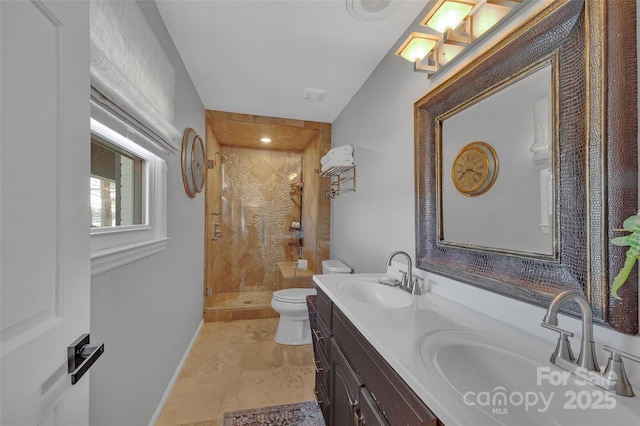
(174, 378)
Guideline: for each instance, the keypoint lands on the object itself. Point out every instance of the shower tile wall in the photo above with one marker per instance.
(257, 212)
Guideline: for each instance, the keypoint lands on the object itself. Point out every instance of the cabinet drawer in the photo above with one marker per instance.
(323, 372)
(324, 307)
(313, 313)
(322, 398)
(400, 405)
(321, 337)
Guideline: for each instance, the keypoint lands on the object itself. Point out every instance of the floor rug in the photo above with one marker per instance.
(300, 414)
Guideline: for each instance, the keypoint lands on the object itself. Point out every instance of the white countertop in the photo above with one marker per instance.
(399, 333)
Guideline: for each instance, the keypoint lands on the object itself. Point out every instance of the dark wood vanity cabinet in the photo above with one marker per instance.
(370, 414)
(354, 384)
(321, 338)
(345, 389)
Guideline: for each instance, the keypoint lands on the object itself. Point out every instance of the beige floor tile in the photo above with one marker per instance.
(304, 355)
(240, 331)
(194, 399)
(261, 355)
(222, 360)
(269, 354)
(275, 386)
(260, 330)
(234, 366)
(309, 381)
(215, 333)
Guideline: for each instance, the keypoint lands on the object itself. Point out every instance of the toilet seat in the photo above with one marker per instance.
(293, 295)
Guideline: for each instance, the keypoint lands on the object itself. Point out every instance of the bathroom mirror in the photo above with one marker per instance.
(591, 177)
(513, 196)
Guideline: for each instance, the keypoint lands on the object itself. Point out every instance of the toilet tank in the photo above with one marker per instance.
(334, 266)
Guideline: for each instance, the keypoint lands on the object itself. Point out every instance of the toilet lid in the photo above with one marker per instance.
(294, 295)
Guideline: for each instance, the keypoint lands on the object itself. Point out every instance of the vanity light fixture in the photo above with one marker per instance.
(417, 46)
(459, 23)
(447, 14)
(265, 140)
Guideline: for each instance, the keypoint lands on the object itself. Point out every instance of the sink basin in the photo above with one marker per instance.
(468, 360)
(373, 293)
(508, 380)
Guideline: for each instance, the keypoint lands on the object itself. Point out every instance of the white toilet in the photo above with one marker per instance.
(291, 304)
(334, 266)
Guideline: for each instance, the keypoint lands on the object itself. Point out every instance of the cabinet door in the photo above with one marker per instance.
(370, 414)
(345, 390)
(394, 397)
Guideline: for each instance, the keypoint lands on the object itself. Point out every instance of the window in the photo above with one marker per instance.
(117, 192)
(128, 196)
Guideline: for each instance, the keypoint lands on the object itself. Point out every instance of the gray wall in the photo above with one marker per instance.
(369, 224)
(379, 217)
(147, 312)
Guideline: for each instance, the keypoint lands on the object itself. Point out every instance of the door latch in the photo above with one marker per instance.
(81, 357)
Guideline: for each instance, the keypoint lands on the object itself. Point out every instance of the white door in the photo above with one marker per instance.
(44, 209)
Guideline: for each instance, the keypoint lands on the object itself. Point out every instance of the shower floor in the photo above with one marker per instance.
(240, 305)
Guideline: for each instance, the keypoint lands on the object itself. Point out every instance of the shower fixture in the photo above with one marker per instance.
(217, 232)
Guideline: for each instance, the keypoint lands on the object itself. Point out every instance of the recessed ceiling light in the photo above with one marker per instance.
(372, 10)
(265, 140)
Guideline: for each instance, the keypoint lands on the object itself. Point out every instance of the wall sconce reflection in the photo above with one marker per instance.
(459, 24)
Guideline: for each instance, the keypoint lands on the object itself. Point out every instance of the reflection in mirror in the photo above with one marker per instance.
(515, 214)
(583, 170)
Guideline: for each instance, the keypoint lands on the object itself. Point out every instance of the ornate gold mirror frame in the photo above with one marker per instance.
(592, 45)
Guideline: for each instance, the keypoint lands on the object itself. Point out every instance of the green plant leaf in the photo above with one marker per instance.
(621, 278)
(630, 224)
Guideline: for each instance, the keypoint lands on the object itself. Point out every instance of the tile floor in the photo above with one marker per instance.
(236, 365)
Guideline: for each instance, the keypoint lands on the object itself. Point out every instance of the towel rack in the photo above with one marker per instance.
(338, 179)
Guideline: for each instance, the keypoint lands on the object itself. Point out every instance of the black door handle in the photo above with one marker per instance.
(81, 357)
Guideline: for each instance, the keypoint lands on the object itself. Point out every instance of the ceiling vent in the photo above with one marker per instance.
(314, 95)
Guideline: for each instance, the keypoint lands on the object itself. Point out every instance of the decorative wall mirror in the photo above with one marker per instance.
(570, 74)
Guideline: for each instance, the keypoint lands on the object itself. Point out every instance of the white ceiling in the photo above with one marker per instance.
(258, 57)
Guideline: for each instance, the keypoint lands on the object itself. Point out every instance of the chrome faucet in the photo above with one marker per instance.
(587, 357)
(408, 283)
(586, 367)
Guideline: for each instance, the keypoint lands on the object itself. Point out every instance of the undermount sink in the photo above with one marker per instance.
(510, 381)
(465, 360)
(368, 290)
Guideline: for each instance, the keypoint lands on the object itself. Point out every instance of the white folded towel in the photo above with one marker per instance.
(339, 156)
(324, 160)
(333, 163)
(341, 150)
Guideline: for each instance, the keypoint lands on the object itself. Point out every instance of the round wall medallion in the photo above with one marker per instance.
(475, 169)
(193, 163)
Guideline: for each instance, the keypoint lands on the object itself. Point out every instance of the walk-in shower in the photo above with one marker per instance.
(264, 210)
(259, 224)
